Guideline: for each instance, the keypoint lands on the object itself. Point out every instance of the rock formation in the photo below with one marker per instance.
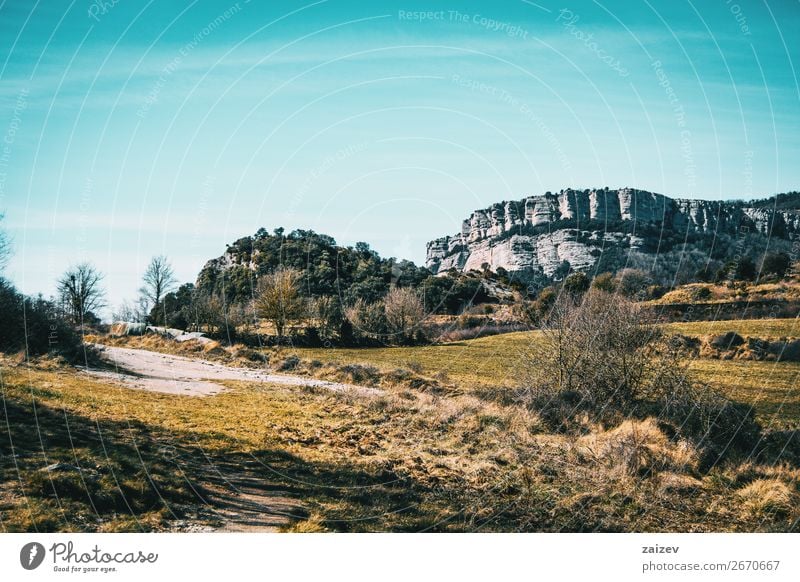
(537, 235)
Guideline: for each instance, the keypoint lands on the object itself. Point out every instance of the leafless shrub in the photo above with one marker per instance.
(404, 312)
(279, 300)
(597, 352)
(600, 361)
(368, 319)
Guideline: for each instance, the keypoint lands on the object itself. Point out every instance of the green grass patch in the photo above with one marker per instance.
(770, 387)
(493, 360)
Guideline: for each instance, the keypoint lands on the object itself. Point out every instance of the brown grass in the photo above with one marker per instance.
(446, 447)
(783, 291)
(407, 460)
(639, 448)
(765, 498)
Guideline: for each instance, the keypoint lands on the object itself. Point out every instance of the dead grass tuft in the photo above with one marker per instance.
(638, 448)
(768, 497)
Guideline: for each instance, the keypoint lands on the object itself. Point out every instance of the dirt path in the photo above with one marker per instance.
(170, 374)
(236, 496)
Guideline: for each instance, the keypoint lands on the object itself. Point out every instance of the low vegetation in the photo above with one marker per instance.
(457, 440)
(595, 421)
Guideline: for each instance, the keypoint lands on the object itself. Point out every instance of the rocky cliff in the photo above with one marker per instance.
(577, 229)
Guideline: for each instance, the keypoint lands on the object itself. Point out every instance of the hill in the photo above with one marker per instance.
(542, 238)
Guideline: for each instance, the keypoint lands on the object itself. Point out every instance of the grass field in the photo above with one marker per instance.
(403, 461)
(407, 460)
(489, 360)
(772, 388)
(760, 328)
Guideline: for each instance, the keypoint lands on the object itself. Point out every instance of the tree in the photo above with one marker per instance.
(776, 264)
(32, 325)
(5, 248)
(278, 299)
(633, 283)
(404, 311)
(208, 311)
(125, 312)
(604, 282)
(326, 312)
(159, 279)
(141, 308)
(577, 283)
(177, 307)
(745, 269)
(80, 290)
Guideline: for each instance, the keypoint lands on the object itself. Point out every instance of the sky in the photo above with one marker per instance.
(132, 129)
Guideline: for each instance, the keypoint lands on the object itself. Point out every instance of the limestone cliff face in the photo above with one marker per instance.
(536, 235)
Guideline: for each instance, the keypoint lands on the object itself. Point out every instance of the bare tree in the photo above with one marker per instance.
(125, 312)
(326, 311)
(404, 311)
(81, 292)
(208, 312)
(278, 299)
(159, 279)
(5, 248)
(367, 319)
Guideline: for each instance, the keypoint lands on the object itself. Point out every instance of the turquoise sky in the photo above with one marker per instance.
(131, 129)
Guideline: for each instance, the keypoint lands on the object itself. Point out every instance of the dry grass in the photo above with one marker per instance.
(783, 291)
(490, 367)
(407, 460)
(766, 498)
(639, 449)
(422, 456)
(482, 361)
(760, 328)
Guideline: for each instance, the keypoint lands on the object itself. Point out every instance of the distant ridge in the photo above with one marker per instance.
(543, 237)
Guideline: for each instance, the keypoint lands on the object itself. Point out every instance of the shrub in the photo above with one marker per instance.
(745, 269)
(368, 319)
(656, 291)
(700, 293)
(596, 351)
(632, 283)
(34, 326)
(536, 311)
(288, 364)
(604, 282)
(775, 264)
(358, 373)
(577, 283)
(466, 321)
(600, 362)
(404, 313)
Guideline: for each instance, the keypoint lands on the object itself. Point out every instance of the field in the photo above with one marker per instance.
(101, 457)
(771, 387)
(760, 328)
(484, 361)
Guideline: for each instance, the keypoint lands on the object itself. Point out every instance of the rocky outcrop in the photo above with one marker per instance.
(539, 234)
